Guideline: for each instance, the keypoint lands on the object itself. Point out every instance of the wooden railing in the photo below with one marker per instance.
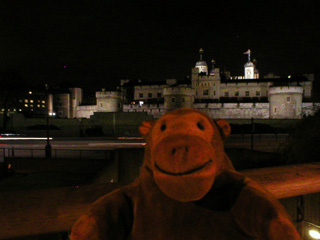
(34, 212)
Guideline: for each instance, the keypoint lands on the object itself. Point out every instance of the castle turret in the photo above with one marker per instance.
(201, 65)
(108, 101)
(285, 101)
(212, 67)
(250, 71)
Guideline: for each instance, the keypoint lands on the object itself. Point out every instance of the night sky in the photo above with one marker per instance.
(94, 44)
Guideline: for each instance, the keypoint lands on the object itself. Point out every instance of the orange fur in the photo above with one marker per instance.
(187, 189)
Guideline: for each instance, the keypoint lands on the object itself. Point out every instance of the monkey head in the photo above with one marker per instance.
(185, 152)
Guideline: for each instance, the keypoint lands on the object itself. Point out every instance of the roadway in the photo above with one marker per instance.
(24, 146)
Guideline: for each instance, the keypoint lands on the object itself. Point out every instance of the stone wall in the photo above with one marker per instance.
(217, 110)
(235, 110)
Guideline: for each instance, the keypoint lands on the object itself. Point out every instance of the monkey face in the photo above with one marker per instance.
(185, 154)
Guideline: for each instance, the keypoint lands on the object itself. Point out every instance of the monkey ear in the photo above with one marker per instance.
(224, 128)
(145, 127)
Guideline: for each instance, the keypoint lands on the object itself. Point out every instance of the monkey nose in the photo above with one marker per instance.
(179, 150)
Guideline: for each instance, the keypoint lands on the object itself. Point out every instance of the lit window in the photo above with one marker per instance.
(20, 110)
(26, 105)
(38, 105)
(26, 100)
(31, 101)
(43, 101)
(31, 105)
(30, 92)
(43, 106)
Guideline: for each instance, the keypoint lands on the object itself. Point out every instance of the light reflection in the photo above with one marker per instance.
(314, 234)
(23, 138)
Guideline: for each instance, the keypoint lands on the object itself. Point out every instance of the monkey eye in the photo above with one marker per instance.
(163, 127)
(200, 126)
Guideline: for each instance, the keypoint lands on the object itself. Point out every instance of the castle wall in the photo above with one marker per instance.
(235, 110)
(309, 109)
(244, 89)
(156, 110)
(178, 97)
(86, 111)
(215, 110)
(148, 92)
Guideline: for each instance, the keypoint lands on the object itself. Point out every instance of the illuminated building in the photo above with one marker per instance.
(225, 96)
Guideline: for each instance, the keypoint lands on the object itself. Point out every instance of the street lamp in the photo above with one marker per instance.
(48, 146)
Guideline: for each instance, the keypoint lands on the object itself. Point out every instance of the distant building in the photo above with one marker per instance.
(68, 104)
(224, 96)
(217, 93)
(30, 102)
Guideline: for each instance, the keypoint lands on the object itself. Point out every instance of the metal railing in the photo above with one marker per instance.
(56, 153)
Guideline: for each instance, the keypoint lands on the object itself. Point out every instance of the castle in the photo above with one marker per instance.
(217, 93)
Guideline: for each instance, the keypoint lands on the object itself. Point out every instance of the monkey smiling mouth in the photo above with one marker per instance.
(183, 173)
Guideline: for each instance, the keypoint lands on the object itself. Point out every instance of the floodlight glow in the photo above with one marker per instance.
(314, 234)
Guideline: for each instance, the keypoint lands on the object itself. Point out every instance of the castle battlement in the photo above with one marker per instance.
(149, 86)
(108, 94)
(286, 90)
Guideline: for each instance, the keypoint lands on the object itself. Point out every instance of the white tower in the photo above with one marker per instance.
(248, 67)
(201, 65)
(250, 71)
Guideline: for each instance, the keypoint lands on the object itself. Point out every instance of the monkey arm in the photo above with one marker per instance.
(258, 212)
(110, 217)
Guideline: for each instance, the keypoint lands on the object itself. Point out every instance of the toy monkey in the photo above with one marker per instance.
(187, 189)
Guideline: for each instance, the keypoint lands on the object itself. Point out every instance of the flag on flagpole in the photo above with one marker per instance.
(247, 52)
